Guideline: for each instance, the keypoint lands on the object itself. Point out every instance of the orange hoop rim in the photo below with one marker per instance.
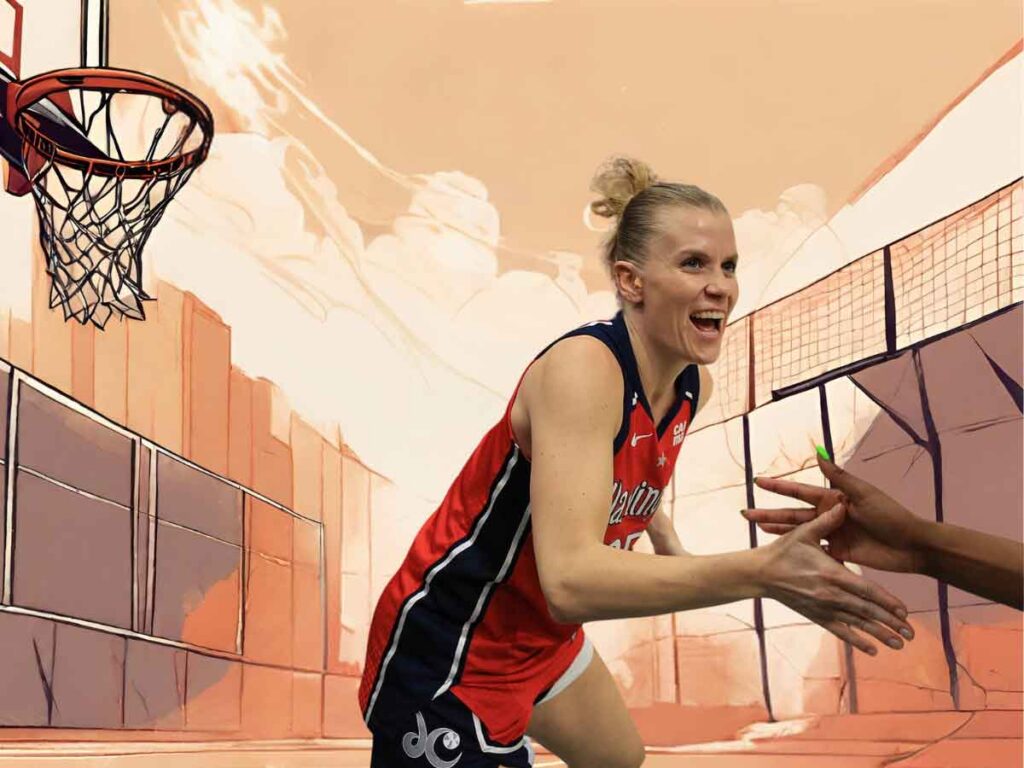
(23, 95)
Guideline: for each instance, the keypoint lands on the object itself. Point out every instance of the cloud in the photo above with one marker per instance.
(766, 240)
(972, 151)
(411, 342)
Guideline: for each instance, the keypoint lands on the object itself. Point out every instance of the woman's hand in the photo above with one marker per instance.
(877, 532)
(797, 572)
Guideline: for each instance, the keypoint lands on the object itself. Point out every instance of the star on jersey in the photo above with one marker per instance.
(662, 461)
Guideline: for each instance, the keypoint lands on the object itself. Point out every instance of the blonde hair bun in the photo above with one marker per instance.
(617, 181)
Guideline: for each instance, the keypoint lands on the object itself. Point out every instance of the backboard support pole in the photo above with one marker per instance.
(95, 33)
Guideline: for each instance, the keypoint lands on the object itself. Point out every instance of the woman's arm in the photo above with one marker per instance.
(574, 405)
(989, 566)
(879, 532)
(663, 535)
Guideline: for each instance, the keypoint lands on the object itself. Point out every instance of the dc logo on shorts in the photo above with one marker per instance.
(418, 744)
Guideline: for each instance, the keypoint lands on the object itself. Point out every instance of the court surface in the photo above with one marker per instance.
(987, 739)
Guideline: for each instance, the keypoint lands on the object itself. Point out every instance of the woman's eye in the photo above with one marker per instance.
(730, 266)
(693, 261)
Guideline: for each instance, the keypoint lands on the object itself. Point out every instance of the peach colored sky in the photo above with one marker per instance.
(260, 237)
(745, 98)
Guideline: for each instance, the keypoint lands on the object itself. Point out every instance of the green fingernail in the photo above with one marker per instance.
(822, 452)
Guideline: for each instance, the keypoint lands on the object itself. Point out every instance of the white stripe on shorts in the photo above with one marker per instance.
(578, 666)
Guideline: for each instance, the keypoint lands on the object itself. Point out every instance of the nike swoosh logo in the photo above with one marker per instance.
(636, 437)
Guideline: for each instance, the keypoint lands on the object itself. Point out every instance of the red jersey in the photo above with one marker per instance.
(465, 612)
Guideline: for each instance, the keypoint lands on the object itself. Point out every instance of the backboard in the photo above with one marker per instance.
(40, 35)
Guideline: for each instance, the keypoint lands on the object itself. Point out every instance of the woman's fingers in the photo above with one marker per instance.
(873, 628)
(869, 601)
(809, 580)
(775, 528)
(809, 494)
(869, 590)
(789, 516)
(844, 632)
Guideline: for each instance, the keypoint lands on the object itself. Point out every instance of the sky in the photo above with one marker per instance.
(747, 99)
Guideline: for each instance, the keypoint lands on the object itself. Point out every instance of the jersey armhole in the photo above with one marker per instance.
(507, 418)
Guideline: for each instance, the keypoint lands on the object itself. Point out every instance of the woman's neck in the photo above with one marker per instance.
(658, 368)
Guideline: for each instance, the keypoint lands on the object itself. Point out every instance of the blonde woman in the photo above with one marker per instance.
(477, 641)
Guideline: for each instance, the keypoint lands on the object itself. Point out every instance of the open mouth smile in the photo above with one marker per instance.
(708, 324)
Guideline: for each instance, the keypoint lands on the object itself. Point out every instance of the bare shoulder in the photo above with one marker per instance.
(578, 375)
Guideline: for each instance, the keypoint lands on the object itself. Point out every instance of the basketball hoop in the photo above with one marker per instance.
(103, 151)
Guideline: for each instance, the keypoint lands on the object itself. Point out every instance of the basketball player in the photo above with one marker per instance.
(477, 640)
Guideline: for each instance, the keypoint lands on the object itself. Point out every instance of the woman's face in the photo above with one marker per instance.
(687, 287)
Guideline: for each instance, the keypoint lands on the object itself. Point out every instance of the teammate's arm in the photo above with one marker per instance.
(574, 406)
(881, 533)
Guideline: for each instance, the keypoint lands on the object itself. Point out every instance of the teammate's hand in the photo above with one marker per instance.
(878, 531)
(797, 572)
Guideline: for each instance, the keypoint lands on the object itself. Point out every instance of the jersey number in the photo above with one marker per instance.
(629, 541)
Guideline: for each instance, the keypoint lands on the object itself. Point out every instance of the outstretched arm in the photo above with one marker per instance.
(879, 532)
(985, 565)
(574, 403)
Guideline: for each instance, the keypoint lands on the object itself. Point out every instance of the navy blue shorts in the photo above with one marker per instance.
(445, 730)
(443, 734)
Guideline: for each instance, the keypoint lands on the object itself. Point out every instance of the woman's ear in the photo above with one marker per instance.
(628, 281)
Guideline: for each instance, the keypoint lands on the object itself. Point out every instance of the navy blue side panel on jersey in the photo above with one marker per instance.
(426, 651)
